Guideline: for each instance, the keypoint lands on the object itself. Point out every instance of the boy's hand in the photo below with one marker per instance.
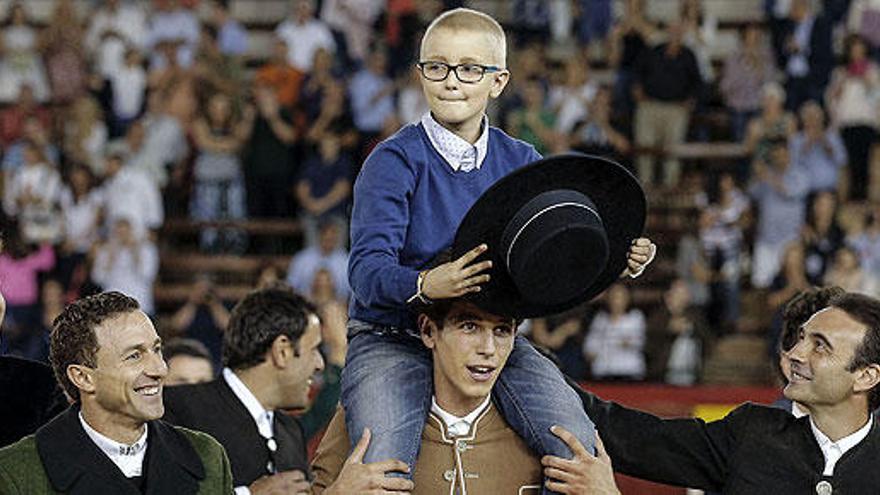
(583, 473)
(357, 477)
(458, 277)
(641, 254)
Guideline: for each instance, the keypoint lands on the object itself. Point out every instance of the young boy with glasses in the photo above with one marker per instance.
(412, 193)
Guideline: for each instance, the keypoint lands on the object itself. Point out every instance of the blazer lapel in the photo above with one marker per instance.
(172, 464)
(73, 463)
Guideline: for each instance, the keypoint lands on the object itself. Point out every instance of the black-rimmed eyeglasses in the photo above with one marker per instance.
(466, 73)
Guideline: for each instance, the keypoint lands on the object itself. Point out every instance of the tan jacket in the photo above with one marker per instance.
(492, 457)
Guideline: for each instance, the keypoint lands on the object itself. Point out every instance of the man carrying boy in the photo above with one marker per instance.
(411, 195)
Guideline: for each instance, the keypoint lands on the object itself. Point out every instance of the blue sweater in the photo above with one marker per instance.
(408, 203)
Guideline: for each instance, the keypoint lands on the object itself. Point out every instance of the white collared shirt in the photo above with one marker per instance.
(456, 426)
(128, 458)
(458, 153)
(833, 451)
(261, 416)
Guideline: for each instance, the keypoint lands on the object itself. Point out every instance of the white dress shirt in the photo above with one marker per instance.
(458, 426)
(833, 451)
(458, 153)
(261, 416)
(128, 458)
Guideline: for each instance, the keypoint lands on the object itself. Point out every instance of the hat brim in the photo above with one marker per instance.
(616, 193)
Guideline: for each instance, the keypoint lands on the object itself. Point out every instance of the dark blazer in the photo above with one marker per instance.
(29, 397)
(753, 450)
(213, 408)
(61, 458)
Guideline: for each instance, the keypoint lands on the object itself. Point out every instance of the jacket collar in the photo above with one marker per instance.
(75, 465)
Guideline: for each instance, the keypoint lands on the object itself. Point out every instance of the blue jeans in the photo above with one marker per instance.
(387, 385)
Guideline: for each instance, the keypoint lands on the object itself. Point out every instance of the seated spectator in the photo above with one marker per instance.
(564, 335)
(85, 134)
(33, 194)
(64, 52)
(203, 318)
(372, 94)
(172, 21)
(328, 254)
(20, 63)
(721, 236)
(188, 362)
(597, 135)
(571, 100)
(129, 83)
(34, 132)
(284, 79)
(130, 193)
(779, 191)
(677, 339)
(745, 72)
(127, 263)
(534, 123)
(818, 149)
(614, 345)
(219, 194)
(232, 37)
(849, 98)
(19, 282)
(822, 236)
(773, 123)
(667, 84)
(13, 117)
(113, 26)
(269, 167)
(324, 186)
(304, 35)
(81, 209)
(847, 274)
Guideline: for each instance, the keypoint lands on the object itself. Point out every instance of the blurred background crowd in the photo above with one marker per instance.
(186, 151)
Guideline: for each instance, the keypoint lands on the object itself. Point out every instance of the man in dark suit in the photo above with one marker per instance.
(107, 356)
(29, 395)
(271, 351)
(835, 371)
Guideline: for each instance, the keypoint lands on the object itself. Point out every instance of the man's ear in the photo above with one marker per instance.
(427, 330)
(281, 351)
(82, 378)
(867, 378)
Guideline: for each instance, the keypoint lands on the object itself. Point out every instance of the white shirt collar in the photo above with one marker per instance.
(458, 153)
(128, 458)
(456, 426)
(262, 417)
(797, 411)
(833, 451)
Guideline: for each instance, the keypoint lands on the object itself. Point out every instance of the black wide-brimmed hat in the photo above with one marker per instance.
(558, 232)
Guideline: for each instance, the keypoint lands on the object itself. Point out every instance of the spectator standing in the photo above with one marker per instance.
(129, 84)
(13, 117)
(772, 124)
(564, 335)
(677, 338)
(324, 186)
(232, 37)
(85, 134)
(806, 53)
(304, 35)
(615, 343)
(666, 84)
(64, 53)
(700, 32)
(779, 191)
(33, 195)
(328, 254)
(822, 236)
(130, 193)
(81, 210)
(597, 135)
(284, 79)
(268, 161)
(175, 23)
(127, 263)
(19, 270)
(322, 76)
(852, 98)
(630, 39)
(818, 149)
(113, 26)
(203, 318)
(351, 22)
(372, 95)
(335, 117)
(219, 136)
(571, 99)
(745, 73)
(20, 63)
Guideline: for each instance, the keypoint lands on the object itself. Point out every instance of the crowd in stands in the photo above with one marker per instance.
(116, 116)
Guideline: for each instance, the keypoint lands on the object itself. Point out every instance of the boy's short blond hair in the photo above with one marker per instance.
(463, 19)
